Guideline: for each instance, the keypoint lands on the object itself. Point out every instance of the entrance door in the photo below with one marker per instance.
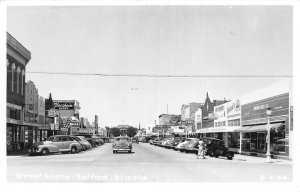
(261, 142)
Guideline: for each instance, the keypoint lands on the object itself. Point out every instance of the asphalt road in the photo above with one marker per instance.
(146, 163)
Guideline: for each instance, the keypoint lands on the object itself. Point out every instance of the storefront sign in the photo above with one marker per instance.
(233, 109)
(64, 105)
(217, 129)
(51, 112)
(256, 111)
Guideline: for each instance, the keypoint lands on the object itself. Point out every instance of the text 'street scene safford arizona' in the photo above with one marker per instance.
(149, 93)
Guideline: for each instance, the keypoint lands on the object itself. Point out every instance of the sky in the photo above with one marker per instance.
(214, 41)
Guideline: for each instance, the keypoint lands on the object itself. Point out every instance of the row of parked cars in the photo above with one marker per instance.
(214, 147)
(65, 143)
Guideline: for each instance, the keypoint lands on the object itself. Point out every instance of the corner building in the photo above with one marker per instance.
(17, 57)
(254, 127)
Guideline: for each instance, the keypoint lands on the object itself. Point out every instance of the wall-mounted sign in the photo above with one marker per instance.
(233, 109)
(256, 111)
(64, 105)
(52, 113)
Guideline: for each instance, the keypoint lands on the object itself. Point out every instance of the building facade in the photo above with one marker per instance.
(226, 120)
(17, 58)
(254, 126)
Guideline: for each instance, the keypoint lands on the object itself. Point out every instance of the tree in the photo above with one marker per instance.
(131, 131)
(115, 132)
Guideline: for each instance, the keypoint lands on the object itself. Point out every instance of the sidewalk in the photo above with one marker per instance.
(253, 159)
(23, 152)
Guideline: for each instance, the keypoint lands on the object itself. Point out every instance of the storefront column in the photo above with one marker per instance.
(226, 139)
(241, 141)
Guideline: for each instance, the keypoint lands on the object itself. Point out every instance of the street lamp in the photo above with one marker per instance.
(269, 113)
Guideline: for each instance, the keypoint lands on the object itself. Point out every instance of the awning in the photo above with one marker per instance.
(258, 128)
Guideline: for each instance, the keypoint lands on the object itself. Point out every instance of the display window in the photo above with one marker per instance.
(234, 140)
(9, 138)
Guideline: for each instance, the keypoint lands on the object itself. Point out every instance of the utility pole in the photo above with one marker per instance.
(167, 109)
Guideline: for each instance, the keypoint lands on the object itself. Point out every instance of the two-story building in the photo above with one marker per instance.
(17, 58)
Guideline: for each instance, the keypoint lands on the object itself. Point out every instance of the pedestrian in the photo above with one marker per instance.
(201, 149)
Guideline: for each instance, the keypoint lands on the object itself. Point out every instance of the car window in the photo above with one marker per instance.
(76, 138)
(50, 139)
(57, 139)
(64, 139)
(71, 138)
(122, 139)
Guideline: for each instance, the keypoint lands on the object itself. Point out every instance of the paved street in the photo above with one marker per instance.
(147, 163)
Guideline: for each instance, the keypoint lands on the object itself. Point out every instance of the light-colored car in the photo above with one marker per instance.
(181, 145)
(165, 141)
(55, 144)
(122, 144)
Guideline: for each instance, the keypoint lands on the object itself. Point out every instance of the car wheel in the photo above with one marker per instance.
(229, 156)
(114, 151)
(73, 150)
(45, 151)
(211, 153)
(129, 151)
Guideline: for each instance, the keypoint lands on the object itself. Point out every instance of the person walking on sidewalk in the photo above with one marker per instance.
(201, 149)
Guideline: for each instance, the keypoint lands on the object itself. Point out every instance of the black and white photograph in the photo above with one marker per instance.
(149, 93)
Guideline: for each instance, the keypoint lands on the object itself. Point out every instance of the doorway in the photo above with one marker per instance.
(261, 141)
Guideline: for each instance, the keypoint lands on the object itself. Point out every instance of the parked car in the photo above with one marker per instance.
(163, 142)
(157, 141)
(90, 139)
(216, 148)
(181, 145)
(151, 141)
(55, 144)
(176, 141)
(122, 144)
(280, 145)
(84, 143)
(168, 142)
(97, 140)
(191, 146)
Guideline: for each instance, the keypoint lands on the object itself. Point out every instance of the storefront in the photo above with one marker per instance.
(254, 126)
(226, 121)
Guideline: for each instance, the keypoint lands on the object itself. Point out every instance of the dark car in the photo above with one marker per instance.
(90, 139)
(216, 148)
(97, 140)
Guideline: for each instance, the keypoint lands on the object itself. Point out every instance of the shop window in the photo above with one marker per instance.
(246, 142)
(13, 67)
(235, 122)
(278, 140)
(234, 140)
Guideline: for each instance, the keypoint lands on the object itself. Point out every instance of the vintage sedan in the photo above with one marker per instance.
(122, 144)
(216, 148)
(55, 144)
(83, 142)
(191, 146)
(181, 145)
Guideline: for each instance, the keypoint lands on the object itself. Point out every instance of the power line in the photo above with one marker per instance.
(151, 75)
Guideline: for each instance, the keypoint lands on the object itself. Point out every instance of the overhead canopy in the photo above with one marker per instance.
(257, 128)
